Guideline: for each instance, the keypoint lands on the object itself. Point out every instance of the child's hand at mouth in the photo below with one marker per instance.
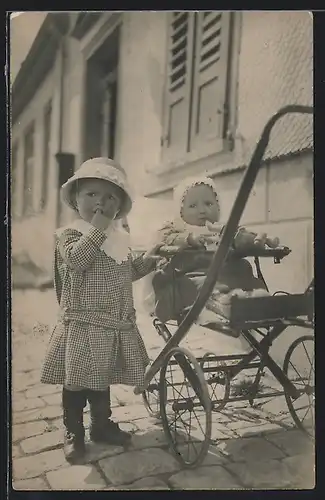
(100, 221)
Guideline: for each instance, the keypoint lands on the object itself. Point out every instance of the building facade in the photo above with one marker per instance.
(168, 95)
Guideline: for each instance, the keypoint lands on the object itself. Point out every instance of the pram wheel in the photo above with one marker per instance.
(217, 379)
(185, 407)
(299, 368)
(151, 398)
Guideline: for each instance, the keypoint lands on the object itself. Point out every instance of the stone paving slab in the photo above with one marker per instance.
(217, 434)
(29, 429)
(123, 396)
(53, 399)
(205, 478)
(37, 444)
(36, 484)
(293, 443)
(96, 452)
(35, 465)
(76, 477)
(302, 470)
(249, 449)
(27, 404)
(220, 418)
(47, 412)
(43, 390)
(146, 483)
(261, 429)
(24, 380)
(214, 455)
(132, 412)
(150, 439)
(146, 424)
(273, 474)
(55, 424)
(245, 424)
(130, 427)
(134, 465)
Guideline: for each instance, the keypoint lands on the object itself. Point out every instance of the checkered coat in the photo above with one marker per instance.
(96, 341)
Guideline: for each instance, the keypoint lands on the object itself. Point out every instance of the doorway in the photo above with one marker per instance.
(101, 99)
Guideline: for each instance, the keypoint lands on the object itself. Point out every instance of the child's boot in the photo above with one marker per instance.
(73, 403)
(102, 428)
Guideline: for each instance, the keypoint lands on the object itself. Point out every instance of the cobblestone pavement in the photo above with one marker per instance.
(250, 448)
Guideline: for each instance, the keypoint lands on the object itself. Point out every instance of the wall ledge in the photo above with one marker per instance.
(161, 185)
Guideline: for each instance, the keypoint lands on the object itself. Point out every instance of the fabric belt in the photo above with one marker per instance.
(98, 318)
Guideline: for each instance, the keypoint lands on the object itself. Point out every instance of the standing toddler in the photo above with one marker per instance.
(96, 342)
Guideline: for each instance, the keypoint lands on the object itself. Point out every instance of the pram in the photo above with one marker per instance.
(184, 391)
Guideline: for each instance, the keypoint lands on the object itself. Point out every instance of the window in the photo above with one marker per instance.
(14, 162)
(28, 170)
(196, 107)
(46, 153)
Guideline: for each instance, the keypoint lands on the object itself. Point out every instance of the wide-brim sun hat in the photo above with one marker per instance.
(99, 168)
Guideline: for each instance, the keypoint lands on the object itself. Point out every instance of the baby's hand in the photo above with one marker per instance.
(196, 241)
(212, 239)
(100, 221)
(263, 240)
(203, 240)
(260, 240)
(273, 242)
(214, 227)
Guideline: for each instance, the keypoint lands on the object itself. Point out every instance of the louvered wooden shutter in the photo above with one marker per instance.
(210, 80)
(179, 72)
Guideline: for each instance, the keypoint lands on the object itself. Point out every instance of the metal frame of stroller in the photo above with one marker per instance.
(267, 316)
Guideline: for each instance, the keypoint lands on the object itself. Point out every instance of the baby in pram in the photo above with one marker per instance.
(196, 225)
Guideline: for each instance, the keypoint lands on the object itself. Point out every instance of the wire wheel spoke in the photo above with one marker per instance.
(299, 368)
(219, 391)
(185, 407)
(151, 398)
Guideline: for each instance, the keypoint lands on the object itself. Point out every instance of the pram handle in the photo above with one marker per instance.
(277, 253)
